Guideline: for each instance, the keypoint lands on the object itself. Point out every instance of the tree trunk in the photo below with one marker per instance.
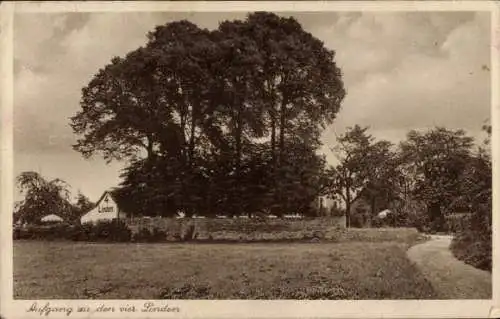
(191, 137)
(238, 137)
(282, 200)
(150, 147)
(348, 208)
(348, 215)
(183, 135)
(274, 163)
(238, 150)
(272, 115)
(282, 129)
(273, 140)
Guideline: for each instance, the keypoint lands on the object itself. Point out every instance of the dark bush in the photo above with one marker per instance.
(473, 228)
(457, 222)
(472, 241)
(43, 232)
(177, 236)
(391, 220)
(359, 217)
(421, 223)
(16, 233)
(113, 231)
(158, 235)
(377, 223)
(145, 235)
(474, 249)
(84, 232)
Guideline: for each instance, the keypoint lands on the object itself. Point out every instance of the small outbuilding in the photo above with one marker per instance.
(106, 208)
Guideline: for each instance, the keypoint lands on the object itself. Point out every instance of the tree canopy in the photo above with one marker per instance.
(439, 158)
(226, 120)
(42, 197)
(366, 168)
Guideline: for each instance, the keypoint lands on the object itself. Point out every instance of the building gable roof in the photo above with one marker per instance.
(107, 192)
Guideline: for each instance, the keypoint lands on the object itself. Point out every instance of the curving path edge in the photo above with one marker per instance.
(450, 277)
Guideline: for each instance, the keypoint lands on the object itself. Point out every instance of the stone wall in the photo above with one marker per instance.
(241, 228)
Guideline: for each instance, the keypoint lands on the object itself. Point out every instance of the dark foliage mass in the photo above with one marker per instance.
(473, 240)
(215, 122)
(112, 231)
(435, 180)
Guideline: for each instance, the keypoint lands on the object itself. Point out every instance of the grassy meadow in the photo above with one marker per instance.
(356, 267)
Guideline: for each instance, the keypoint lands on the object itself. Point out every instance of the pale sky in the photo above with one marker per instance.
(402, 71)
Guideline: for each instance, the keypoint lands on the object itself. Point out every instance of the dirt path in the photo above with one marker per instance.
(450, 277)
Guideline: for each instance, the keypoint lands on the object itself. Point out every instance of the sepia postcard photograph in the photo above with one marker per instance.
(249, 159)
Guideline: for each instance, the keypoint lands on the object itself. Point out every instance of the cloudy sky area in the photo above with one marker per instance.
(402, 71)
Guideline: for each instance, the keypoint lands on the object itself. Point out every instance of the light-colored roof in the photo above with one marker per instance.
(384, 213)
(52, 218)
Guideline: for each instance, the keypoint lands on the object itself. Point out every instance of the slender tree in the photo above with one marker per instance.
(367, 169)
(82, 206)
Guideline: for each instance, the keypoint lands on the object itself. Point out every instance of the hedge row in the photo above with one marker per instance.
(474, 249)
(111, 231)
(119, 231)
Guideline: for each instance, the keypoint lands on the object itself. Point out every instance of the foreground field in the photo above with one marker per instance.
(347, 270)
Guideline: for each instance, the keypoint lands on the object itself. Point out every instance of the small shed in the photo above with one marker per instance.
(106, 208)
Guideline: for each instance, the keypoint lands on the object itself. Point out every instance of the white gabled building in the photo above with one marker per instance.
(106, 208)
